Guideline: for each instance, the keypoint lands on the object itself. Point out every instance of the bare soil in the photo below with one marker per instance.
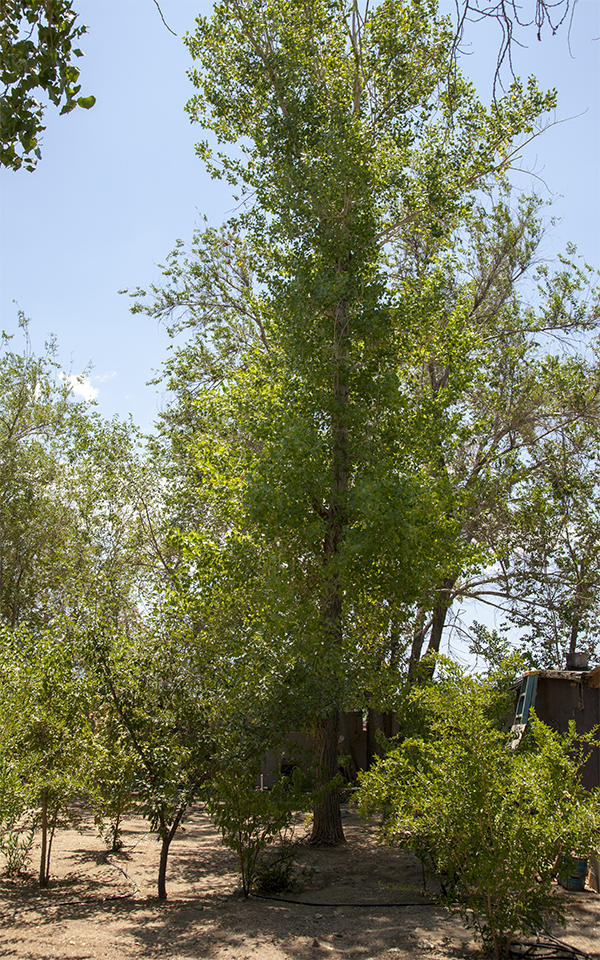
(363, 902)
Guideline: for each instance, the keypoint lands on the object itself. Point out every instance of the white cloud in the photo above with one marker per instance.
(80, 386)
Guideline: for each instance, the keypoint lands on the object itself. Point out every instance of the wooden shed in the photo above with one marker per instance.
(557, 697)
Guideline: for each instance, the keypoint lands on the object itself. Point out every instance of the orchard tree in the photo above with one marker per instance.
(46, 736)
(156, 710)
(78, 501)
(83, 540)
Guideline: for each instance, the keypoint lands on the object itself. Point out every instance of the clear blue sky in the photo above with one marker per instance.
(118, 184)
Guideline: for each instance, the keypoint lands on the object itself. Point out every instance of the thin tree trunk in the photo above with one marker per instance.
(162, 868)
(116, 834)
(421, 628)
(574, 634)
(167, 836)
(375, 723)
(440, 612)
(347, 748)
(50, 839)
(43, 879)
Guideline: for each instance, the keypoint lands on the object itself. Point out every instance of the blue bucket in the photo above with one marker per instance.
(572, 873)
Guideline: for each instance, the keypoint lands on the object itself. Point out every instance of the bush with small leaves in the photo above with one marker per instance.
(492, 821)
(249, 819)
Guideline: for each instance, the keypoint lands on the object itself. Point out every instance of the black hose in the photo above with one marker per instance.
(309, 903)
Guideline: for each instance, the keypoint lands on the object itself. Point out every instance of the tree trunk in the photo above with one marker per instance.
(162, 868)
(166, 836)
(327, 823)
(577, 611)
(438, 621)
(440, 613)
(50, 839)
(43, 879)
(346, 747)
(375, 723)
(574, 634)
(419, 635)
(115, 830)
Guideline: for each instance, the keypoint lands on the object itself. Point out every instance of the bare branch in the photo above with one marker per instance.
(163, 19)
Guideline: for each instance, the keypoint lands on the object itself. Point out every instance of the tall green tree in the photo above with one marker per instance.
(532, 388)
(38, 43)
(345, 137)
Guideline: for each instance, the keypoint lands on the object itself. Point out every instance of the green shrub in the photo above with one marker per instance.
(16, 823)
(250, 819)
(275, 871)
(110, 782)
(491, 821)
(16, 840)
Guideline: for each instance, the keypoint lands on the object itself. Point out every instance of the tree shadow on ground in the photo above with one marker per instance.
(192, 929)
(95, 916)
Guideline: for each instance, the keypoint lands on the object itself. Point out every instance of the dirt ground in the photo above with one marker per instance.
(363, 902)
